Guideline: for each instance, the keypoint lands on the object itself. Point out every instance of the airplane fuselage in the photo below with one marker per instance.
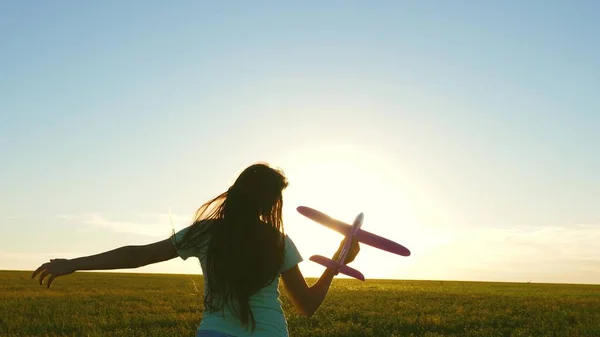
(350, 237)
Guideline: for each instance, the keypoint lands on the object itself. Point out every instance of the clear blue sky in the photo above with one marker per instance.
(467, 131)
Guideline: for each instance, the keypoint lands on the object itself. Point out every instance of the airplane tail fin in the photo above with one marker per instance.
(329, 263)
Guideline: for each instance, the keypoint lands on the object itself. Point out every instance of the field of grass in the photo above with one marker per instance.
(107, 304)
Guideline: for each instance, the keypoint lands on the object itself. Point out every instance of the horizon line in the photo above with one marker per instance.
(343, 278)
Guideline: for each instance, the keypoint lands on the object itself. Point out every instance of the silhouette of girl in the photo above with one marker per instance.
(243, 250)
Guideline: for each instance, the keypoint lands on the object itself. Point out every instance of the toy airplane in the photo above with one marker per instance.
(350, 232)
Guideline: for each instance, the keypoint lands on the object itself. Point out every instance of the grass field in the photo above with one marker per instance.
(103, 304)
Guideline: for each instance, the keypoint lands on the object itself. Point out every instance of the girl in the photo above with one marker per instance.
(243, 250)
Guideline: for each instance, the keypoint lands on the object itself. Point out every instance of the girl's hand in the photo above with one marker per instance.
(354, 249)
(54, 269)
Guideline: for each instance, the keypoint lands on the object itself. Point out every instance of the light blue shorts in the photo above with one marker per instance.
(211, 333)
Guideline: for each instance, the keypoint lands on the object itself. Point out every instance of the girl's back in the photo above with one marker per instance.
(265, 304)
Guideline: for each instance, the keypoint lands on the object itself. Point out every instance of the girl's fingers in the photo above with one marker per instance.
(50, 279)
(40, 268)
(43, 275)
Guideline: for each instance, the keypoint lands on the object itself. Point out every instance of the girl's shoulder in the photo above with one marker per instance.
(291, 255)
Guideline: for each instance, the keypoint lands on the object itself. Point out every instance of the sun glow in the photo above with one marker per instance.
(343, 181)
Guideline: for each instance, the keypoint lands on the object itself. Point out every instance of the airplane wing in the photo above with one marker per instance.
(381, 243)
(362, 235)
(325, 220)
(346, 270)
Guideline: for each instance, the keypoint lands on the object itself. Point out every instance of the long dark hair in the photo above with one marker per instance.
(241, 232)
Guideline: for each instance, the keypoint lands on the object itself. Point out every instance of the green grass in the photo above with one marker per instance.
(103, 304)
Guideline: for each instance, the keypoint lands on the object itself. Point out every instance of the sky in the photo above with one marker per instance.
(466, 130)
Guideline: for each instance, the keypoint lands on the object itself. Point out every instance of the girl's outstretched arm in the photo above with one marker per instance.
(120, 258)
(308, 299)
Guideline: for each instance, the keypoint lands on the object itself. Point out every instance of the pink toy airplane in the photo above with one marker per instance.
(350, 232)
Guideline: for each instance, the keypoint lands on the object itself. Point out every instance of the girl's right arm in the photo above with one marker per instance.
(120, 258)
(308, 299)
